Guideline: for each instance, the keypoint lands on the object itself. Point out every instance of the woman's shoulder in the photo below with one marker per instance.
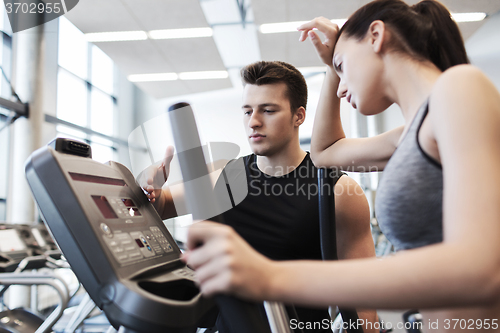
(458, 78)
(464, 83)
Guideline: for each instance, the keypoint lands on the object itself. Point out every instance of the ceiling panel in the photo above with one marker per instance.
(208, 85)
(469, 28)
(137, 57)
(99, 16)
(286, 47)
(167, 14)
(193, 54)
(177, 88)
(300, 10)
(201, 54)
(463, 6)
(163, 88)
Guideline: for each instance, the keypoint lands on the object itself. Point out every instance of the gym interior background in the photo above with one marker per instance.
(85, 85)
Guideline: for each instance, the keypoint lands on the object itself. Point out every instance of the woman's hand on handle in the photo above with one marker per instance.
(225, 263)
(329, 29)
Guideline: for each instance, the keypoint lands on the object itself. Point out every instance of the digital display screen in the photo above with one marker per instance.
(80, 177)
(104, 207)
(134, 212)
(129, 203)
(10, 241)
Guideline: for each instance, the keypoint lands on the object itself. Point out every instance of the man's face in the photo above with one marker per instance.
(269, 123)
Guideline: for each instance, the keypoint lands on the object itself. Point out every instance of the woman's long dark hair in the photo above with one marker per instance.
(424, 30)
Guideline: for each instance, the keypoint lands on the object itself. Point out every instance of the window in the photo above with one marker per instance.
(85, 91)
(5, 92)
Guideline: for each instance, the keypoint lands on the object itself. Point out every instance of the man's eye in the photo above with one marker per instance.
(269, 111)
(247, 113)
(339, 67)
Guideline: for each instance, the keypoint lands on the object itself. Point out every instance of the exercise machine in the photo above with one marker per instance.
(118, 246)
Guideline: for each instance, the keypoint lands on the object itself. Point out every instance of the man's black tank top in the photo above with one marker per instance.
(279, 217)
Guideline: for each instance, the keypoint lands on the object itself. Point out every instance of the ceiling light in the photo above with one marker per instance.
(180, 33)
(203, 75)
(116, 36)
(312, 69)
(271, 28)
(153, 77)
(468, 17)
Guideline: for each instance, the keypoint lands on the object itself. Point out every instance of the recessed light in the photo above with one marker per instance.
(153, 77)
(180, 33)
(468, 17)
(203, 75)
(272, 28)
(116, 36)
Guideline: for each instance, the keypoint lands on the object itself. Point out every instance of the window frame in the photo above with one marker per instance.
(89, 133)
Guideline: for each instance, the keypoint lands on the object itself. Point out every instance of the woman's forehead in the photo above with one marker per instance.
(340, 45)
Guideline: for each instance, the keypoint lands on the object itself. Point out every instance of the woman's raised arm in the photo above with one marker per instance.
(329, 146)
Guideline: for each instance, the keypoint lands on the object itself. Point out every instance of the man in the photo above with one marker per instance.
(279, 216)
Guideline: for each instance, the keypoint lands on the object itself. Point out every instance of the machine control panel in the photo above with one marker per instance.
(130, 247)
(117, 208)
(119, 214)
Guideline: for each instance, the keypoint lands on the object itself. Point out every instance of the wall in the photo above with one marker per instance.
(483, 48)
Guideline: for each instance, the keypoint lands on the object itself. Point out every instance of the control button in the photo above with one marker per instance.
(129, 221)
(122, 236)
(149, 248)
(126, 242)
(105, 228)
(113, 243)
(122, 257)
(118, 250)
(135, 255)
(130, 248)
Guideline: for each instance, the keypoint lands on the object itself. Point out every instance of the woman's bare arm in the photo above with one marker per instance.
(329, 146)
(463, 270)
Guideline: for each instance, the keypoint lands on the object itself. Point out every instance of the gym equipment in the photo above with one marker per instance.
(328, 234)
(118, 246)
(18, 320)
(115, 242)
(16, 243)
(20, 250)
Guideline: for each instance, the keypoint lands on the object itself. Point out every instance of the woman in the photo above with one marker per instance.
(438, 200)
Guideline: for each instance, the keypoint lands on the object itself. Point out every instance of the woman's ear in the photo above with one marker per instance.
(377, 35)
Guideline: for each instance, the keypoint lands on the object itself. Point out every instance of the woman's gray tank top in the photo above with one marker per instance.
(409, 201)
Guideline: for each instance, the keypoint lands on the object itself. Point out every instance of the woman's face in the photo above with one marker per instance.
(361, 72)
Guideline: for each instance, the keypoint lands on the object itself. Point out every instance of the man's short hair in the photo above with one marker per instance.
(269, 72)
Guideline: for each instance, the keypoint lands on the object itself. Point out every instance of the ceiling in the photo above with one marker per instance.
(231, 46)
